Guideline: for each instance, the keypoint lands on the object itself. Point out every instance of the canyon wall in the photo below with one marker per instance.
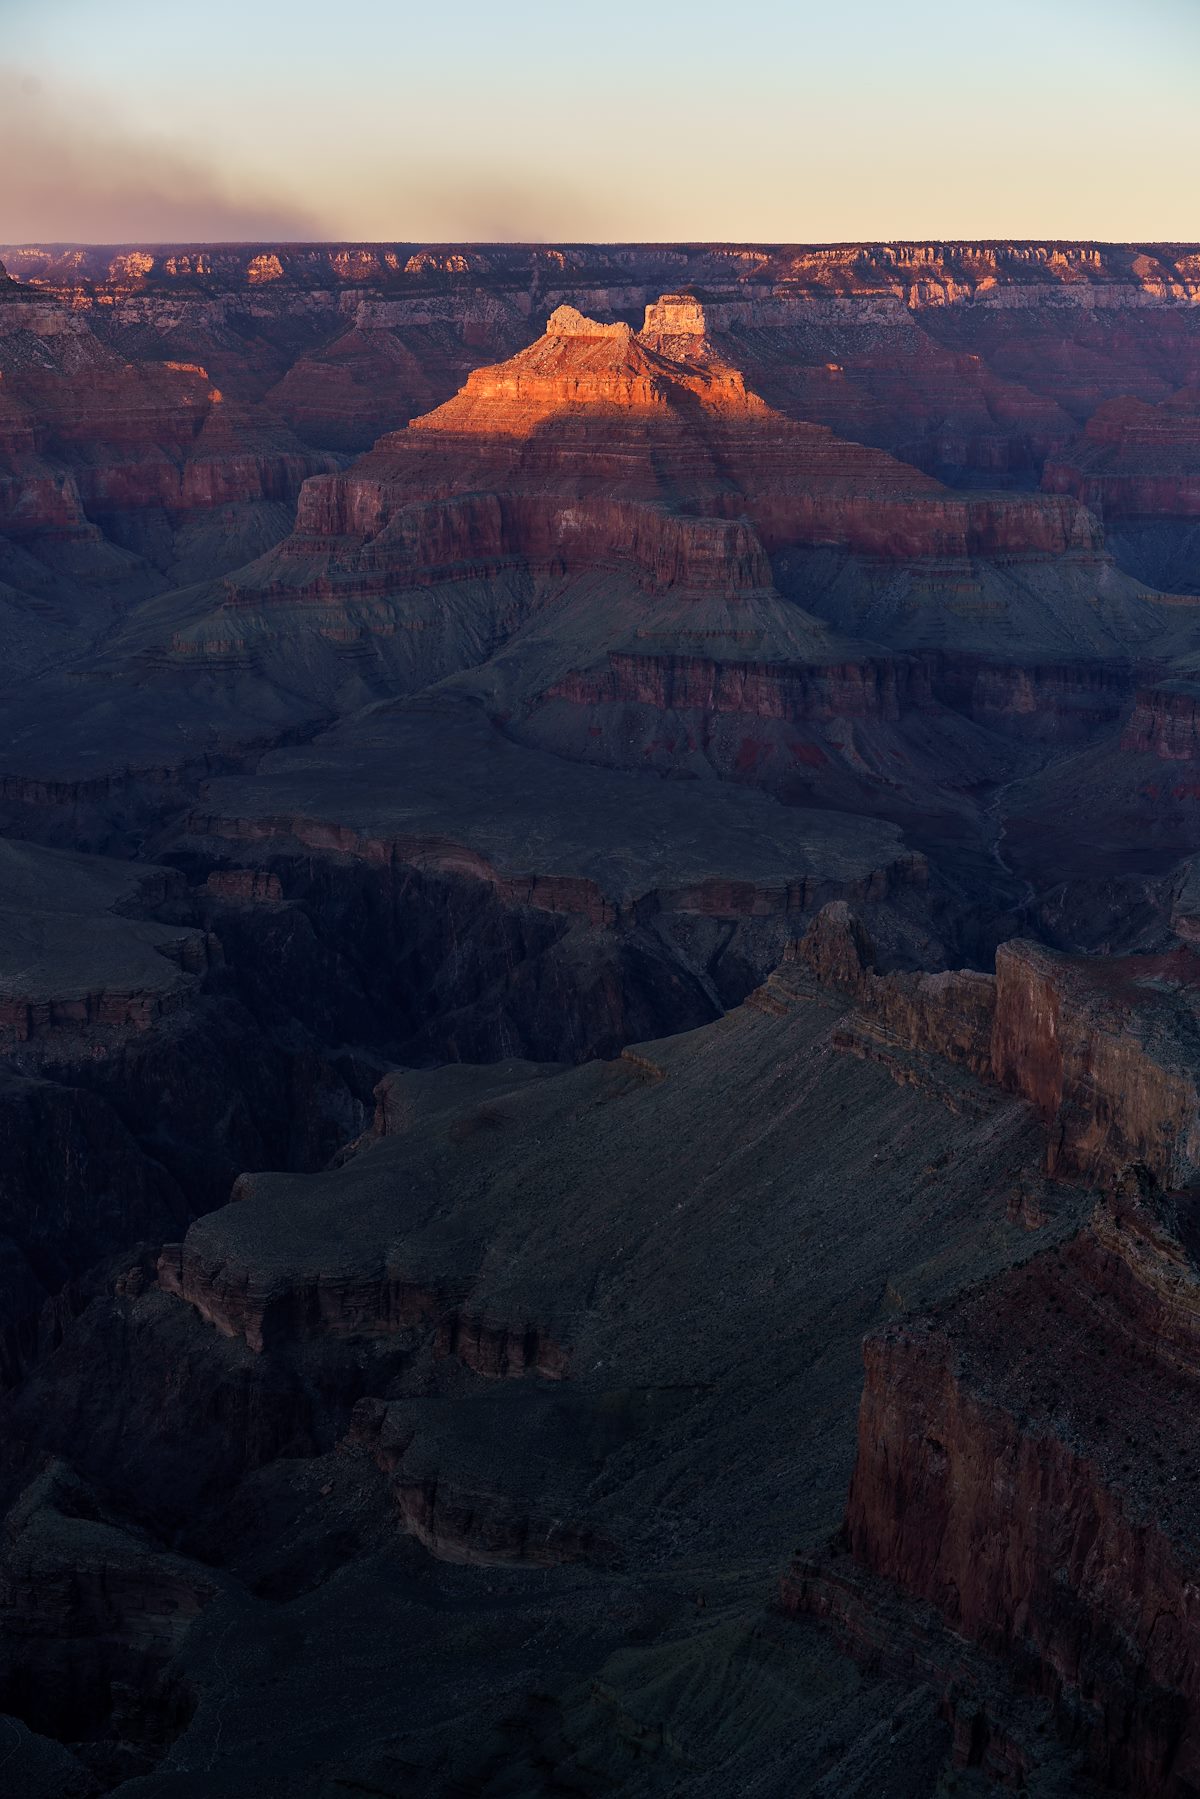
(1104, 1048)
(1024, 1467)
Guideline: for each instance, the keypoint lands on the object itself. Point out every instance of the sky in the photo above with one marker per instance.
(463, 120)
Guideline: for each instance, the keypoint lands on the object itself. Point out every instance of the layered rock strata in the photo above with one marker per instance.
(1024, 1467)
(1105, 1048)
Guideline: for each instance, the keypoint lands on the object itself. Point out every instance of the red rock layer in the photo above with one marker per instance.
(1135, 460)
(585, 448)
(289, 1307)
(22, 1021)
(1104, 1048)
(573, 895)
(1025, 1466)
(930, 274)
(1165, 722)
(85, 434)
(500, 1351)
(868, 689)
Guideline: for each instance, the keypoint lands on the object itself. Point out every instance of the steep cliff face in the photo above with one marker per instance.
(230, 1297)
(525, 421)
(114, 1015)
(1024, 1454)
(1009, 273)
(1165, 722)
(950, 1015)
(1105, 1048)
(631, 487)
(1024, 1467)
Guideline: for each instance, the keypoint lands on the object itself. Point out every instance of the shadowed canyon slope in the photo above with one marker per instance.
(585, 828)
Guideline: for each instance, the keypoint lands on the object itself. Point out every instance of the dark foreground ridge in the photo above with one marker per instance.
(583, 829)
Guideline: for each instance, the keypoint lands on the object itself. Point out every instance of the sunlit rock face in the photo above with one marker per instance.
(597, 406)
(633, 484)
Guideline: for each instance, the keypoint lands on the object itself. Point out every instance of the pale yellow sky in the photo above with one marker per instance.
(802, 122)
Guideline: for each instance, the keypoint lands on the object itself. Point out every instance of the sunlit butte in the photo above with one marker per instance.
(675, 120)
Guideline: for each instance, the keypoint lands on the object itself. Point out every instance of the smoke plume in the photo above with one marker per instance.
(74, 171)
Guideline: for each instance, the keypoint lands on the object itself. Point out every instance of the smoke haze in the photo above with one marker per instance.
(77, 171)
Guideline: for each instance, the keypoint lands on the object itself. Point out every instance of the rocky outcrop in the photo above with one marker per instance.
(1006, 274)
(117, 439)
(1165, 722)
(263, 1311)
(1135, 460)
(358, 1295)
(487, 1528)
(1024, 1467)
(644, 500)
(272, 1309)
(423, 499)
(870, 689)
(951, 1015)
(500, 1351)
(848, 493)
(1105, 1048)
